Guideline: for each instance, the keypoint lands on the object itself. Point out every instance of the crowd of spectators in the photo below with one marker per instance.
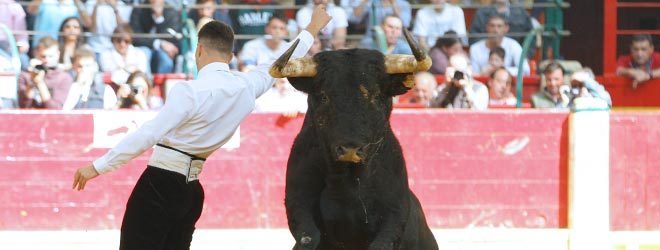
(68, 49)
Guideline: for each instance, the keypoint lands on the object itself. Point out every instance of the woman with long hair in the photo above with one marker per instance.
(70, 39)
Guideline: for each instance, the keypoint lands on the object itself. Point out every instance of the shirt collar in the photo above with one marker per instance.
(213, 67)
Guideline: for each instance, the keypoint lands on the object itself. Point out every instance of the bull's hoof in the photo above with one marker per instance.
(306, 240)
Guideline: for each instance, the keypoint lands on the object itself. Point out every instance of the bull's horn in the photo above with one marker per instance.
(396, 64)
(301, 67)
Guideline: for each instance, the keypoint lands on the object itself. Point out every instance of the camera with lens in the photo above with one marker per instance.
(458, 75)
(40, 67)
(135, 89)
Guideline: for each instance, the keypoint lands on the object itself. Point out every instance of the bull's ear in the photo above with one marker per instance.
(304, 84)
(398, 84)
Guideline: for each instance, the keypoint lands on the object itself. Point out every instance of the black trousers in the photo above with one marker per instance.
(161, 212)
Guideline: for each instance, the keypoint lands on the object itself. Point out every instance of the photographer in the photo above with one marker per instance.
(45, 85)
(556, 94)
(461, 90)
(88, 91)
(134, 94)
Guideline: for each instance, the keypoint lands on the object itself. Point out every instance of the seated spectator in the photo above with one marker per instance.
(282, 98)
(432, 22)
(643, 63)
(446, 46)
(361, 12)
(70, 40)
(556, 94)
(495, 61)
(250, 21)
(159, 19)
(208, 11)
(424, 90)
(45, 85)
(123, 59)
(460, 90)
(105, 16)
(88, 90)
(480, 51)
(49, 14)
(334, 31)
(135, 93)
(516, 17)
(267, 48)
(395, 43)
(12, 15)
(499, 89)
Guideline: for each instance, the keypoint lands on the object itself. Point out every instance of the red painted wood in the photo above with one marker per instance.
(456, 162)
(609, 36)
(647, 94)
(635, 170)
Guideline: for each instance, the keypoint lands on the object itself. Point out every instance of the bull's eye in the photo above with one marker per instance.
(324, 98)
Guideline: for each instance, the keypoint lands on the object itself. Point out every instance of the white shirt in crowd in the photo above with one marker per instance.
(256, 52)
(479, 54)
(200, 115)
(339, 19)
(431, 24)
(121, 67)
(106, 22)
(80, 91)
(284, 99)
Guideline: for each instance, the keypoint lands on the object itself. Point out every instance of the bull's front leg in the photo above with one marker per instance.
(394, 221)
(304, 183)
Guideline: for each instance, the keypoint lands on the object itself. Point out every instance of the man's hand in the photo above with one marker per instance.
(83, 175)
(170, 48)
(320, 18)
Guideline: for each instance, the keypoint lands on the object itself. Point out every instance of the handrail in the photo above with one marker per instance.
(519, 78)
(296, 7)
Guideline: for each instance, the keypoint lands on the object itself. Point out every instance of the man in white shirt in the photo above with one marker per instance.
(335, 31)
(197, 119)
(433, 21)
(266, 48)
(88, 91)
(479, 51)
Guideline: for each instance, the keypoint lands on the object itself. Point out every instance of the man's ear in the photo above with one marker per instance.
(397, 84)
(304, 84)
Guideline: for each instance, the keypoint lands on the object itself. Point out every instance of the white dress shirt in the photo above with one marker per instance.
(199, 116)
(431, 24)
(479, 54)
(339, 18)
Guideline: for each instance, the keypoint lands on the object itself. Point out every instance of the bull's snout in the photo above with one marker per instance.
(350, 154)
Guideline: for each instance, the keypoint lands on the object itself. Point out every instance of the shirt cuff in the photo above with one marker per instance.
(101, 165)
(307, 40)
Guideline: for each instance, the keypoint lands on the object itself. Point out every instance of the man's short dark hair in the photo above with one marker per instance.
(277, 16)
(499, 51)
(642, 37)
(497, 16)
(552, 67)
(217, 36)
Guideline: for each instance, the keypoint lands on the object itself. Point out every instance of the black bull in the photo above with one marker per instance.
(346, 180)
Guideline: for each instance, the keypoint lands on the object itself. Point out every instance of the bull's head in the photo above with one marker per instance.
(350, 94)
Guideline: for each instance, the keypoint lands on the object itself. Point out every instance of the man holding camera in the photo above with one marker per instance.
(556, 94)
(461, 90)
(45, 85)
